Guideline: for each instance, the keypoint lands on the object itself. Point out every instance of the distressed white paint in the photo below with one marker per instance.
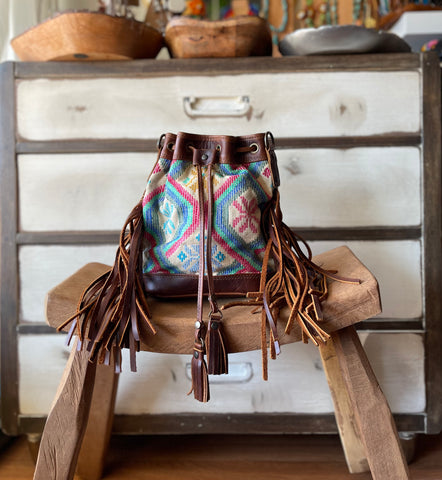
(296, 383)
(43, 267)
(289, 104)
(397, 267)
(350, 188)
(80, 191)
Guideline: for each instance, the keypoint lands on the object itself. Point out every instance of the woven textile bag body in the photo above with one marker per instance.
(209, 224)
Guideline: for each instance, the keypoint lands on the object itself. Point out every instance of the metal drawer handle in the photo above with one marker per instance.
(239, 372)
(216, 106)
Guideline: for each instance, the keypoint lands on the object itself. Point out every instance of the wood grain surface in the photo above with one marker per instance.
(66, 424)
(233, 457)
(174, 320)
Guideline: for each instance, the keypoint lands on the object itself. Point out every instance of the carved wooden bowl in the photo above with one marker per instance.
(88, 36)
(234, 37)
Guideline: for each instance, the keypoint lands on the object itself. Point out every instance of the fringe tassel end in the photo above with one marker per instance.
(200, 378)
(218, 363)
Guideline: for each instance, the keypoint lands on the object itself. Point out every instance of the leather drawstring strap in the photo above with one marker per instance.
(216, 343)
(200, 381)
(212, 341)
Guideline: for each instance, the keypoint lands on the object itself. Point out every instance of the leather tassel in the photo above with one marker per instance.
(200, 378)
(218, 362)
(112, 307)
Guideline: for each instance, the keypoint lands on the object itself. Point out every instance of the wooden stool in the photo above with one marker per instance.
(367, 430)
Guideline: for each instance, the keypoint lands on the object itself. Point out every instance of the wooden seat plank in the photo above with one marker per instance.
(174, 319)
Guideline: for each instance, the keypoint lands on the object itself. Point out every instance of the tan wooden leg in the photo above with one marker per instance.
(67, 419)
(352, 445)
(372, 414)
(98, 432)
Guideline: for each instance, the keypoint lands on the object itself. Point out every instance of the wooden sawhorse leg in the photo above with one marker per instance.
(99, 427)
(84, 392)
(366, 426)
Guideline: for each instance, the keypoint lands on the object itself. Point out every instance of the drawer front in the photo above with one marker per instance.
(80, 192)
(41, 268)
(396, 264)
(296, 379)
(350, 188)
(319, 188)
(289, 104)
(397, 268)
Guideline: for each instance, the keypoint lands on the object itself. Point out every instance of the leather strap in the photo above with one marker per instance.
(214, 148)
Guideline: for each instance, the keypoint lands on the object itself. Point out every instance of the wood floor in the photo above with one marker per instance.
(228, 458)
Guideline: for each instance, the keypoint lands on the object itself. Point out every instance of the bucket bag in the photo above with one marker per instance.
(209, 224)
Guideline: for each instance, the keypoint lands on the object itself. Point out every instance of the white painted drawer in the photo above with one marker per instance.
(319, 188)
(396, 264)
(296, 379)
(41, 268)
(80, 191)
(397, 268)
(350, 188)
(289, 104)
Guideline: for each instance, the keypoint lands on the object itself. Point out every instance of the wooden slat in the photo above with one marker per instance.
(378, 140)
(359, 233)
(142, 68)
(35, 329)
(140, 145)
(380, 324)
(68, 238)
(432, 237)
(8, 253)
(109, 238)
(233, 423)
(88, 146)
(392, 325)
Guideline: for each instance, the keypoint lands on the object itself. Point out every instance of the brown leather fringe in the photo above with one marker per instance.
(289, 278)
(297, 282)
(112, 308)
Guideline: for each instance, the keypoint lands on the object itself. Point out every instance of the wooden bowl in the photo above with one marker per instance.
(88, 36)
(234, 37)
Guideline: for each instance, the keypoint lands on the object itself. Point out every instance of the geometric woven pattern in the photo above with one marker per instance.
(171, 217)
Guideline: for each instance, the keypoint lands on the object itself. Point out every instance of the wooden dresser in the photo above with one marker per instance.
(359, 147)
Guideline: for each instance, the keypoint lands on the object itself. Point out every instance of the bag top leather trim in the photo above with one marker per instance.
(226, 148)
